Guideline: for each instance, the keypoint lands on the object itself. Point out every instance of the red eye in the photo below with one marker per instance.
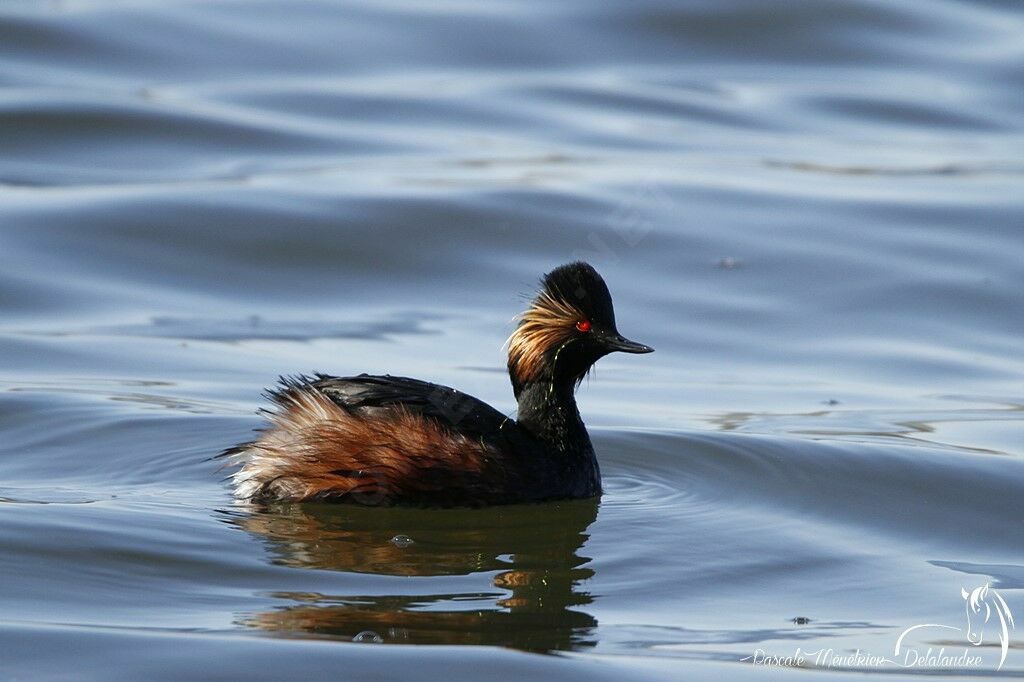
(583, 325)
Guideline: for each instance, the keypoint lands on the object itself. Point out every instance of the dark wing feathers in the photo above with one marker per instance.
(454, 409)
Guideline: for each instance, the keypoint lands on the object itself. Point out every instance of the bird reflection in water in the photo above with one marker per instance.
(533, 551)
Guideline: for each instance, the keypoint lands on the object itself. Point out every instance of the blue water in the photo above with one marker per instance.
(813, 211)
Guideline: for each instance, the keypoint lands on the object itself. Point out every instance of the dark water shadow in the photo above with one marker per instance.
(1003, 576)
(256, 328)
(533, 550)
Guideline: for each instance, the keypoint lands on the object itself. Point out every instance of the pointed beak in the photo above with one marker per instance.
(617, 342)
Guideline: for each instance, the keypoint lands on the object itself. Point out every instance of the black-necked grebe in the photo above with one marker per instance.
(393, 440)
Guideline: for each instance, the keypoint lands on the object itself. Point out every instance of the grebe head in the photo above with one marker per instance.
(569, 325)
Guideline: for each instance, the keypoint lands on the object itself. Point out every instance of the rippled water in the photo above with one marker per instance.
(812, 210)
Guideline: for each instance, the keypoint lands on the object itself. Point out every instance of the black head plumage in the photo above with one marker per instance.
(579, 286)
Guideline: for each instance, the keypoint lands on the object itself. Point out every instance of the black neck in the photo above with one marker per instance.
(548, 410)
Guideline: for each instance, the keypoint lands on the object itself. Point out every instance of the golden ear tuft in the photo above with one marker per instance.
(543, 326)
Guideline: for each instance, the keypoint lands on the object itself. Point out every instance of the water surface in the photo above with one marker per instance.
(813, 211)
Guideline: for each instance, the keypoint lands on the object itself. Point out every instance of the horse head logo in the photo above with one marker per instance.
(980, 603)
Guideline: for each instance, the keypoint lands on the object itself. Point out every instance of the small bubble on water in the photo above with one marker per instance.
(368, 637)
(401, 541)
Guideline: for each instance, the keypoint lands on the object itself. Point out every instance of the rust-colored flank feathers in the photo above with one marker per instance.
(317, 449)
(383, 440)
